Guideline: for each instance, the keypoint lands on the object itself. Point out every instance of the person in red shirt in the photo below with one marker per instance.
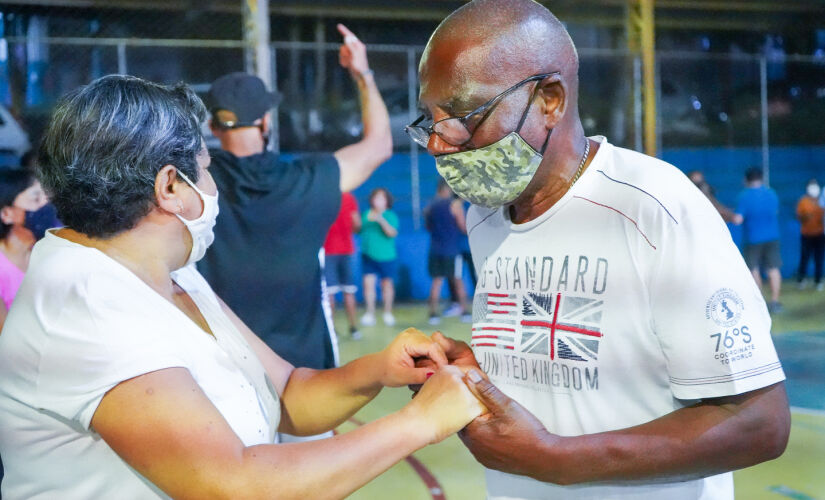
(339, 248)
(812, 229)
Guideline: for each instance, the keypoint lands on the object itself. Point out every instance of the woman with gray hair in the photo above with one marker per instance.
(122, 375)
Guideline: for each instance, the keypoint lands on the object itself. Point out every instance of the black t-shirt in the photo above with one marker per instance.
(274, 216)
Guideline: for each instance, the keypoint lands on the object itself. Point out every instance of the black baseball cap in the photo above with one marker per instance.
(238, 99)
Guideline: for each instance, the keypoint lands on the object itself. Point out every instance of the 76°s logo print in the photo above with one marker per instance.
(732, 344)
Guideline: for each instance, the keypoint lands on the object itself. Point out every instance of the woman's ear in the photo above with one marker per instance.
(553, 95)
(7, 215)
(166, 190)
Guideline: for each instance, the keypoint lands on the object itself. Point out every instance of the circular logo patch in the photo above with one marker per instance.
(724, 307)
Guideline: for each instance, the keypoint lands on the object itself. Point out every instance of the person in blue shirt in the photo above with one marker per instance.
(445, 222)
(757, 210)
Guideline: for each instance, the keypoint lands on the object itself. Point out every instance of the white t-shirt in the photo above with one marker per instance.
(81, 324)
(625, 301)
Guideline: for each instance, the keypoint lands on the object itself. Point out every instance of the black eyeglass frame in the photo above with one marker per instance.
(485, 108)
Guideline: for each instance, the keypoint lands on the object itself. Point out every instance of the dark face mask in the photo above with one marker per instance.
(42, 219)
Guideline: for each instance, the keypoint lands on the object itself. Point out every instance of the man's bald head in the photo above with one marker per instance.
(504, 40)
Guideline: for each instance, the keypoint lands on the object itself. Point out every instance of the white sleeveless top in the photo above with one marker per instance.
(81, 324)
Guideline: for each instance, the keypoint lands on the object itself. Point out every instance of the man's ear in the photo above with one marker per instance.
(216, 131)
(553, 95)
(167, 190)
(266, 123)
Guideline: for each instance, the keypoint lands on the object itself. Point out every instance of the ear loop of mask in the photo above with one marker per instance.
(527, 111)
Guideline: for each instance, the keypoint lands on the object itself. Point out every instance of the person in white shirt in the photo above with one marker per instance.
(122, 374)
(627, 348)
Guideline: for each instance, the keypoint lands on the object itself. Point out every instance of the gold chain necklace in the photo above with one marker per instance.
(584, 160)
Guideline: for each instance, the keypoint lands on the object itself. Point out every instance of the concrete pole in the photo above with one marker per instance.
(649, 75)
(257, 56)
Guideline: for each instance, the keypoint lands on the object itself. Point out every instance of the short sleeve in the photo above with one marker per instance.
(392, 218)
(325, 180)
(741, 204)
(98, 337)
(349, 204)
(710, 318)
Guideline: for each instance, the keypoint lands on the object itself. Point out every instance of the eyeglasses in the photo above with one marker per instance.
(454, 130)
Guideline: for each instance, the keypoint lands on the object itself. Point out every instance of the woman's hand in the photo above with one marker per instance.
(458, 354)
(397, 361)
(445, 404)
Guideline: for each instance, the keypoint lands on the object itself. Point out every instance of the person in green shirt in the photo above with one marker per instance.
(379, 257)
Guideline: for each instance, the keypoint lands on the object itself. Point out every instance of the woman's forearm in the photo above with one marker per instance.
(315, 401)
(328, 468)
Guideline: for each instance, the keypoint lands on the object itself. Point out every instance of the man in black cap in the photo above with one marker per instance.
(275, 213)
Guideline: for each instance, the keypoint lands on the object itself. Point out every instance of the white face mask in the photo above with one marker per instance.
(813, 190)
(201, 228)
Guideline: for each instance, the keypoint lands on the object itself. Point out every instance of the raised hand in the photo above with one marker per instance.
(353, 53)
(498, 438)
(397, 360)
(445, 404)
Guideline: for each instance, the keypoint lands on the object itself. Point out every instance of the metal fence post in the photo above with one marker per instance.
(274, 128)
(763, 84)
(122, 67)
(412, 99)
(638, 127)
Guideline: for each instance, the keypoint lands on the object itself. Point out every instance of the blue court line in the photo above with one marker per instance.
(790, 493)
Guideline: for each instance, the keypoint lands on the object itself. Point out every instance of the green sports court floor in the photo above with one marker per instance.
(448, 471)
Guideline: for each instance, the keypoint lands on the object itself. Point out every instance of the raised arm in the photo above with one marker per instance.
(711, 437)
(164, 426)
(358, 161)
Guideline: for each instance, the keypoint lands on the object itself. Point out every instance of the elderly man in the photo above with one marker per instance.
(627, 348)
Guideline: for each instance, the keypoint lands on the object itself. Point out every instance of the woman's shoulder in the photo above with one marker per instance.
(57, 260)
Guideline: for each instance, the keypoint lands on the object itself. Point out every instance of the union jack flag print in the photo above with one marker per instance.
(556, 325)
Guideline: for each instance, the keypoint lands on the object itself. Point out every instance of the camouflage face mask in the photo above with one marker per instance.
(494, 175)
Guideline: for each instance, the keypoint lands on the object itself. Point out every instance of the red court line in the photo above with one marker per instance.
(432, 484)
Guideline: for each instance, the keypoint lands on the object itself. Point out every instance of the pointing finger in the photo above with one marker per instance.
(348, 35)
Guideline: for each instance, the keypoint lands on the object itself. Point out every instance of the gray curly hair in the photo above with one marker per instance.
(106, 143)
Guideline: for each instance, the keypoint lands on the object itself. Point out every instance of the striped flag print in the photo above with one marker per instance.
(494, 320)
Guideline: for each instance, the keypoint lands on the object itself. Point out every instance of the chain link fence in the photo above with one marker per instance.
(719, 113)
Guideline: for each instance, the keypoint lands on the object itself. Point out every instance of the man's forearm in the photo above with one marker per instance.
(689, 443)
(316, 401)
(358, 161)
(374, 115)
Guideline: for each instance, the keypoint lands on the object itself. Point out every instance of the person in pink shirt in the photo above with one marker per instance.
(20, 197)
